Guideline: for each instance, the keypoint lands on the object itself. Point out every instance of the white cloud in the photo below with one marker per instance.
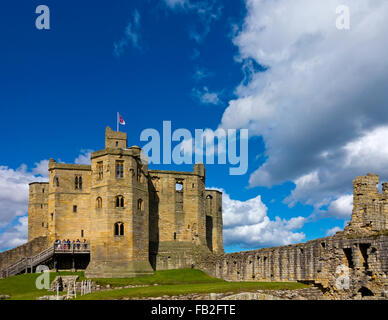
(16, 235)
(41, 168)
(84, 157)
(131, 36)
(333, 231)
(247, 224)
(320, 106)
(14, 198)
(14, 192)
(206, 97)
(341, 208)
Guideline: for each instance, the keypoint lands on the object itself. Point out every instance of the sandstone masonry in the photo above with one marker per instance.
(135, 219)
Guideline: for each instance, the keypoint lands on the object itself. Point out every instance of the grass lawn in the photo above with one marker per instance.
(22, 287)
(163, 277)
(180, 281)
(170, 282)
(178, 289)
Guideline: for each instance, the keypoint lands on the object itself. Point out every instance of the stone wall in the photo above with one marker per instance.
(350, 264)
(322, 262)
(28, 249)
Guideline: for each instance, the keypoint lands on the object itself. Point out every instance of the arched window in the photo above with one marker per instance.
(99, 203)
(119, 229)
(119, 202)
(56, 181)
(76, 182)
(140, 205)
(80, 183)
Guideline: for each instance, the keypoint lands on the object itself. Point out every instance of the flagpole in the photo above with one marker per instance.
(117, 120)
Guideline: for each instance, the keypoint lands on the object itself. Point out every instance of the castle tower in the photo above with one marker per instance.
(119, 212)
(38, 210)
(370, 208)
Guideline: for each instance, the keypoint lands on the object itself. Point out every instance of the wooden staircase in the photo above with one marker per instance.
(27, 263)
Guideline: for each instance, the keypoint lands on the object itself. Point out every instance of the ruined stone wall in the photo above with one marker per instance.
(213, 211)
(322, 262)
(357, 256)
(28, 249)
(177, 217)
(370, 207)
(181, 219)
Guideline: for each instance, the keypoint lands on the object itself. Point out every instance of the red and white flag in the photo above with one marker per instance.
(121, 120)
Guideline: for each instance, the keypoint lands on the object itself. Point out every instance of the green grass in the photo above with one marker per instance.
(180, 289)
(178, 282)
(170, 282)
(22, 287)
(164, 277)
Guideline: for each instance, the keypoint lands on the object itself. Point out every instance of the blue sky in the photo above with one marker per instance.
(311, 96)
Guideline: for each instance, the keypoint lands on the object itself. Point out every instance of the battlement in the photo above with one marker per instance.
(115, 139)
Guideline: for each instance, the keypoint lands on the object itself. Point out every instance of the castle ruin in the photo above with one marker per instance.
(138, 220)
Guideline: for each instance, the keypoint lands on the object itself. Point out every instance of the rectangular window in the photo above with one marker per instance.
(74, 208)
(100, 170)
(119, 169)
(82, 233)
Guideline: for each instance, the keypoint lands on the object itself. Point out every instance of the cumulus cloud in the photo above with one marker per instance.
(247, 224)
(131, 36)
(319, 101)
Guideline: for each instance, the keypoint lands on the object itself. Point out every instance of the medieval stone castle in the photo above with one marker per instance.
(137, 220)
(132, 216)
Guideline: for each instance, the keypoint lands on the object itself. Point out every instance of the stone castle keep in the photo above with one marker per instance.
(135, 219)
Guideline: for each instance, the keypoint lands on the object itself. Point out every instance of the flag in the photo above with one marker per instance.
(121, 120)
